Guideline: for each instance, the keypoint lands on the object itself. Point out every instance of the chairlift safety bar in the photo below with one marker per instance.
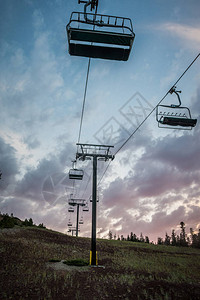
(98, 21)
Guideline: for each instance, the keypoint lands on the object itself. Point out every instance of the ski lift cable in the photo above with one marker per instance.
(88, 181)
(147, 117)
(84, 99)
(85, 93)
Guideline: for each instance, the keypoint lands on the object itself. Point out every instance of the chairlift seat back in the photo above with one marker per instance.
(85, 208)
(174, 117)
(70, 209)
(113, 45)
(99, 52)
(179, 122)
(76, 174)
(102, 37)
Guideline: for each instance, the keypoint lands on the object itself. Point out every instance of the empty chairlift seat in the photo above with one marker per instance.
(100, 36)
(81, 221)
(86, 208)
(175, 117)
(69, 223)
(76, 174)
(179, 122)
(70, 209)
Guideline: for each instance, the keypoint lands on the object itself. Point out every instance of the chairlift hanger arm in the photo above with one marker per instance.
(93, 3)
(173, 90)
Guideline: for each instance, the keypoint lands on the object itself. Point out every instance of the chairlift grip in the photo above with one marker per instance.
(173, 90)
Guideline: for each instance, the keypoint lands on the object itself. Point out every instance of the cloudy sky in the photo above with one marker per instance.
(153, 182)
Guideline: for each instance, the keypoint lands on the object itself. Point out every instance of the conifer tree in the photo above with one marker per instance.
(141, 238)
(167, 239)
(183, 241)
(173, 238)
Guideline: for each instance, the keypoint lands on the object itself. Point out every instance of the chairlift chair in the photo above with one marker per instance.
(70, 209)
(100, 36)
(69, 223)
(81, 221)
(174, 116)
(76, 174)
(86, 208)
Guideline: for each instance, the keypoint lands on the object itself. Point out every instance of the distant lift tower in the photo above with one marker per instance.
(72, 230)
(97, 152)
(77, 202)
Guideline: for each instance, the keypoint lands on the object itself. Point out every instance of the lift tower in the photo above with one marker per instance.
(97, 152)
(76, 202)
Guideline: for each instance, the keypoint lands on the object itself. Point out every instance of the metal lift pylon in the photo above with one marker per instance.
(94, 151)
(77, 202)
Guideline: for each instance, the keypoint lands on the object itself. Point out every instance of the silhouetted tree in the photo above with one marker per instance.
(160, 241)
(135, 239)
(195, 238)
(7, 222)
(41, 225)
(110, 235)
(167, 239)
(28, 222)
(141, 238)
(128, 238)
(115, 236)
(173, 238)
(198, 240)
(183, 241)
(146, 239)
(177, 240)
(131, 238)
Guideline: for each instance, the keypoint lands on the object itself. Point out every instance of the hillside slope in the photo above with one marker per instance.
(132, 270)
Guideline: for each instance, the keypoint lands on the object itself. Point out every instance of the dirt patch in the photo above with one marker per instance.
(61, 266)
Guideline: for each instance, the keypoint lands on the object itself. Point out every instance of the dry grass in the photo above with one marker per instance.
(132, 270)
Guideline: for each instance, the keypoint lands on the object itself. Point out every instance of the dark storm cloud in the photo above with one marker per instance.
(178, 152)
(19, 206)
(8, 165)
(31, 185)
(163, 184)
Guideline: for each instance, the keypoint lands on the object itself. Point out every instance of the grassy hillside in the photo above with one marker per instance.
(132, 270)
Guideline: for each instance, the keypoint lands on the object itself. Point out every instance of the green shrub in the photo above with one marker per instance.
(54, 260)
(7, 222)
(76, 262)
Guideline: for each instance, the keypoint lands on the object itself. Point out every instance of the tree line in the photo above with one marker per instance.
(7, 221)
(181, 240)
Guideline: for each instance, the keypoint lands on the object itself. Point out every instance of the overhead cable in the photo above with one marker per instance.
(84, 98)
(147, 117)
